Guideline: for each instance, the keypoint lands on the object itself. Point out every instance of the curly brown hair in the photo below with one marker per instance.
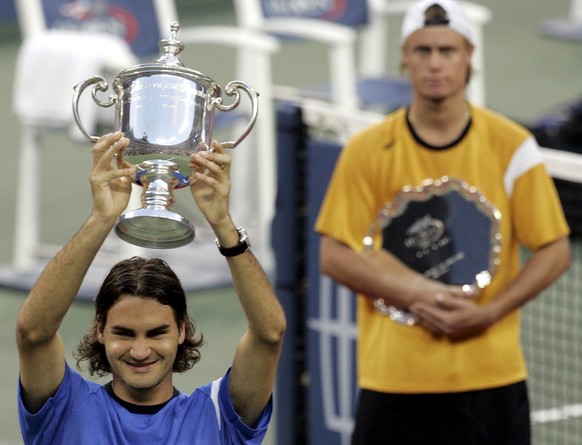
(146, 278)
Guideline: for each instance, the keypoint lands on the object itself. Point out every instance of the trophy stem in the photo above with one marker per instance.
(155, 225)
(158, 181)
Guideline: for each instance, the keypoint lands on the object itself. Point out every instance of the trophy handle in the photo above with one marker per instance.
(100, 84)
(232, 89)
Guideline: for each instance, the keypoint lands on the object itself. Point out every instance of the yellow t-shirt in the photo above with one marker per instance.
(503, 161)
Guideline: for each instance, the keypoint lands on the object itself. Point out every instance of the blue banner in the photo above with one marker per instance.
(346, 12)
(288, 242)
(331, 322)
(7, 11)
(321, 339)
(134, 20)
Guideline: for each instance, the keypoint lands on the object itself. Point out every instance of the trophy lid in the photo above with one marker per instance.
(171, 47)
(168, 63)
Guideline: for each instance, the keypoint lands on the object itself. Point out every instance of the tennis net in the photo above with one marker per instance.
(552, 337)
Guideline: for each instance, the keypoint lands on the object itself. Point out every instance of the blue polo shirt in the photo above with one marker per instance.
(83, 413)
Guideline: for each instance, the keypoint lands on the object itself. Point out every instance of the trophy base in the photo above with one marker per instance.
(155, 229)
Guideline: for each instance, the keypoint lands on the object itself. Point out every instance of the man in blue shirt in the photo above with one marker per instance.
(142, 333)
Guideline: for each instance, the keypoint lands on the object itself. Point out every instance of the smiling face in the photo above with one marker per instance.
(438, 61)
(141, 338)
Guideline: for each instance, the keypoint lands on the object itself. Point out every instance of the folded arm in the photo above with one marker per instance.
(379, 274)
(459, 319)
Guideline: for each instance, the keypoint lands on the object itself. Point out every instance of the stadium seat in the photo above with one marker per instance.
(343, 26)
(567, 28)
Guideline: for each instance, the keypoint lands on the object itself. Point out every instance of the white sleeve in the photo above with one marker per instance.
(214, 397)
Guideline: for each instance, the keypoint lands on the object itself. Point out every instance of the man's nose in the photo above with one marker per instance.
(140, 349)
(435, 60)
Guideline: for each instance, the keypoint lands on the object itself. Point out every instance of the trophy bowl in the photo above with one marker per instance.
(444, 229)
(166, 110)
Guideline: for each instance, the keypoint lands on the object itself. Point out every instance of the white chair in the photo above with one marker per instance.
(49, 63)
(254, 166)
(566, 28)
(354, 84)
(108, 54)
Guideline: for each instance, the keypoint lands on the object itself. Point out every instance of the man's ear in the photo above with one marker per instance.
(182, 333)
(471, 49)
(403, 60)
(100, 333)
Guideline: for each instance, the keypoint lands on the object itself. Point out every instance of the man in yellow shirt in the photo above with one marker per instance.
(458, 375)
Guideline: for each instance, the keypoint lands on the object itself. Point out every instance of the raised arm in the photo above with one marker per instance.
(40, 347)
(257, 355)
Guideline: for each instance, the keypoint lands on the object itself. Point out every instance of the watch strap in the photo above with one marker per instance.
(242, 246)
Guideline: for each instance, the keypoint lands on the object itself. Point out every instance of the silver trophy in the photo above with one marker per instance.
(165, 110)
(443, 229)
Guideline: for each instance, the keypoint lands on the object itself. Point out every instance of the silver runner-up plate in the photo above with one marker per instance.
(444, 229)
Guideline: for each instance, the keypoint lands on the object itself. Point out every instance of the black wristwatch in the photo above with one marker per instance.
(242, 246)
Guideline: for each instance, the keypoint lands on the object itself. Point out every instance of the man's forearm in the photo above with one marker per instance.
(541, 270)
(57, 286)
(378, 274)
(264, 313)
(262, 309)
(255, 363)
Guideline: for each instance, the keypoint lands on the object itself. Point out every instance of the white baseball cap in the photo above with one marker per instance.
(415, 18)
